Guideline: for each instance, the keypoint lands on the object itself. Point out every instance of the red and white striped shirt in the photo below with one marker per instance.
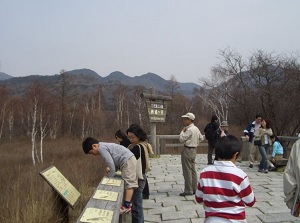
(224, 190)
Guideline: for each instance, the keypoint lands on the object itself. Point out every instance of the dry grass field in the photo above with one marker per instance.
(26, 196)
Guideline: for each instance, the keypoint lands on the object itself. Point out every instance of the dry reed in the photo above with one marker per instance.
(26, 196)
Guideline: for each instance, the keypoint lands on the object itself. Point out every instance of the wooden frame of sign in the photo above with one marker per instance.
(61, 185)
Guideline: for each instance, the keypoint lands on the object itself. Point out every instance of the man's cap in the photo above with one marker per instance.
(189, 115)
(224, 123)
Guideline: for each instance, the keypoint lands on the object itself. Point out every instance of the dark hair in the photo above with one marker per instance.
(258, 116)
(276, 138)
(87, 144)
(227, 146)
(214, 118)
(120, 134)
(137, 131)
(267, 123)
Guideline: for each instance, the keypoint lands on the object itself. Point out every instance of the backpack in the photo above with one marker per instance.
(209, 131)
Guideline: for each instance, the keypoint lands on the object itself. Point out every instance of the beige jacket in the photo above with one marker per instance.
(291, 175)
(258, 135)
(148, 151)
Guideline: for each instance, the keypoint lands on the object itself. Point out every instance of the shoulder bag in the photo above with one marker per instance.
(139, 172)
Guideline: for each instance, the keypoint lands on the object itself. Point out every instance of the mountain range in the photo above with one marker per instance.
(89, 77)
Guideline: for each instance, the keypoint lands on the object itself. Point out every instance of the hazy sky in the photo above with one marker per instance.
(166, 37)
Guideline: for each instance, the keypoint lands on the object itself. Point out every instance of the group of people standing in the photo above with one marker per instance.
(261, 138)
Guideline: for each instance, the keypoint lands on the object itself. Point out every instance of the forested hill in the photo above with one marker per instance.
(87, 78)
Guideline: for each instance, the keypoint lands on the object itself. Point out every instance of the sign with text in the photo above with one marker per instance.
(61, 185)
(157, 111)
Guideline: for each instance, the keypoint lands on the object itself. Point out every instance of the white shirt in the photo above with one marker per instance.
(191, 136)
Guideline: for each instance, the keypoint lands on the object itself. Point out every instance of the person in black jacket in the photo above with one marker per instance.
(122, 138)
(219, 133)
(249, 134)
(209, 131)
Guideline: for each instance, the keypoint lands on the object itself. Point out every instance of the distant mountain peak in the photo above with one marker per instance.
(150, 75)
(117, 76)
(84, 71)
(4, 76)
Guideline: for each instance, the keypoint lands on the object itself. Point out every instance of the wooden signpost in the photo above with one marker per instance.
(157, 110)
(65, 194)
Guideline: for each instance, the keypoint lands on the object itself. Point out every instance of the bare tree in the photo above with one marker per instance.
(138, 103)
(216, 88)
(4, 100)
(252, 86)
(173, 89)
(10, 123)
(64, 95)
(120, 97)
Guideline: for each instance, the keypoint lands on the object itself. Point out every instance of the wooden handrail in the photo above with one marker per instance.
(105, 204)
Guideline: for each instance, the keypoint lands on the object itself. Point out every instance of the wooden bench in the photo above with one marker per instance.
(108, 205)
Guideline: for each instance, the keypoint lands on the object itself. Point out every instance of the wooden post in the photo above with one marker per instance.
(245, 149)
(61, 208)
(153, 136)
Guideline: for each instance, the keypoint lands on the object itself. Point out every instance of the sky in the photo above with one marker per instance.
(166, 37)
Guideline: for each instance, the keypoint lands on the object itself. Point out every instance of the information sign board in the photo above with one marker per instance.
(61, 185)
(157, 111)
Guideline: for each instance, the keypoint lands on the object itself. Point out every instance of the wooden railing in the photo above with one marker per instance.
(162, 144)
(287, 142)
(105, 204)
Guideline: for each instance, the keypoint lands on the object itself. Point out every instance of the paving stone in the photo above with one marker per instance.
(152, 218)
(178, 221)
(162, 210)
(151, 204)
(278, 217)
(252, 211)
(178, 203)
(198, 220)
(187, 214)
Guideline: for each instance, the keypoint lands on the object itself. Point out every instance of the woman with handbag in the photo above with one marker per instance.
(262, 137)
(138, 137)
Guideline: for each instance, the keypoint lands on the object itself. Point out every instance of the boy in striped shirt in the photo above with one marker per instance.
(223, 188)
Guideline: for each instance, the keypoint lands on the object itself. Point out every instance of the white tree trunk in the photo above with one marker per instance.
(11, 123)
(43, 133)
(33, 131)
(2, 116)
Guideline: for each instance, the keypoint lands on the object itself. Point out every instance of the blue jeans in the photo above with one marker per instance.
(263, 150)
(137, 214)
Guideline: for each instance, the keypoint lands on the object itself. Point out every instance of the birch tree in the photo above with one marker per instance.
(4, 100)
(43, 132)
(216, 89)
(10, 121)
(138, 104)
(33, 118)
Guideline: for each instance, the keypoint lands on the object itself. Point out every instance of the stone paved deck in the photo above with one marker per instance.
(166, 182)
